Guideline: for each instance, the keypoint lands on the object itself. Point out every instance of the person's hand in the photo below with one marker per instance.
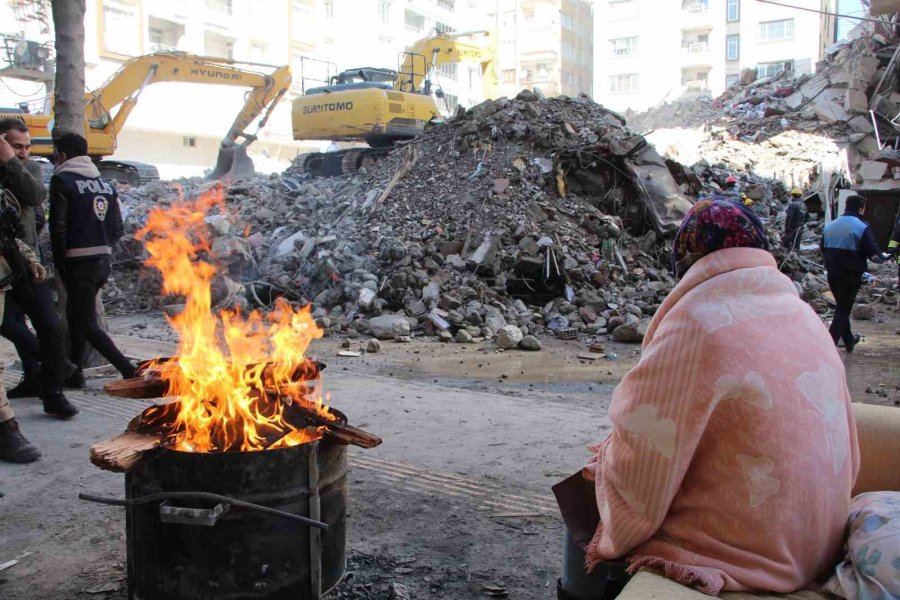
(38, 273)
(6, 151)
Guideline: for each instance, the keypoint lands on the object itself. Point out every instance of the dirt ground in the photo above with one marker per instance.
(457, 497)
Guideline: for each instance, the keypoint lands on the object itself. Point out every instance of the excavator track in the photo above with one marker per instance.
(128, 171)
(358, 158)
(342, 162)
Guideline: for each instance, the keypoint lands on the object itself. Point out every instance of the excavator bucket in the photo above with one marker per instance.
(233, 163)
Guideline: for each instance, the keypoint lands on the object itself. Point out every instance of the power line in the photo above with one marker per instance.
(822, 12)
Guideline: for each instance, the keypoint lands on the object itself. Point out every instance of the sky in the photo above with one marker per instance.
(848, 7)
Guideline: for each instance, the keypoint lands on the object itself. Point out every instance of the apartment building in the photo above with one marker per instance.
(652, 52)
(375, 33)
(545, 44)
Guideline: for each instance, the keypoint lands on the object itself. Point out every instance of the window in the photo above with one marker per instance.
(302, 23)
(446, 4)
(695, 6)
(567, 21)
(509, 76)
(733, 11)
(259, 52)
(442, 27)
(120, 29)
(189, 142)
(732, 47)
(623, 84)
(384, 11)
(451, 101)
(730, 80)
(220, 6)
(568, 51)
(329, 9)
(622, 9)
(775, 31)
(771, 69)
(448, 71)
(624, 47)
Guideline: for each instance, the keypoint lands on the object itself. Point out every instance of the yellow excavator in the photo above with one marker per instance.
(383, 106)
(104, 121)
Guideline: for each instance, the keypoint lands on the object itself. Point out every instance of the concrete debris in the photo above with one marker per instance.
(509, 337)
(373, 347)
(831, 105)
(546, 229)
(530, 343)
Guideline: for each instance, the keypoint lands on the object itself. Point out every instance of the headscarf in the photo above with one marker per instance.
(711, 225)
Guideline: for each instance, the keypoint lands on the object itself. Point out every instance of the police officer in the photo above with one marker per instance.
(85, 223)
(847, 244)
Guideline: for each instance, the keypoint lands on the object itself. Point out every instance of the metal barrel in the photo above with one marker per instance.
(176, 552)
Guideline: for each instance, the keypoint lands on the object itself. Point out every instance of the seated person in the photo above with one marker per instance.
(734, 449)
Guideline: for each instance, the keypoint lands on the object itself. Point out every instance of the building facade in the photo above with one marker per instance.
(545, 44)
(643, 60)
(178, 126)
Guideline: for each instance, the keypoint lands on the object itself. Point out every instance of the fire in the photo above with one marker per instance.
(236, 375)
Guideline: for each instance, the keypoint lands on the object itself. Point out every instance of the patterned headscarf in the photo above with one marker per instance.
(711, 225)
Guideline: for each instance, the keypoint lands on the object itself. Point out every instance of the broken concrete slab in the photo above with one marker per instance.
(861, 124)
(856, 102)
(872, 170)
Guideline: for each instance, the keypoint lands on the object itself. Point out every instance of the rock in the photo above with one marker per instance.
(531, 343)
(863, 312)
(509, 337)
(445, 336)
(398, 591)
(388, 327)
(456, 261)
(373, 347)
(463, 337)
(614, 323)
(629, 332)
(287, 246)
(403, 339)
(495, 321)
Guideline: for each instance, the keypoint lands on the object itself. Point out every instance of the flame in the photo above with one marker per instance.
(236, 376)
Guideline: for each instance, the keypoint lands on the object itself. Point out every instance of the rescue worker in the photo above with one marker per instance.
(847, 244)
(731, 190)
(795, 218)
(23, 178)
(85, 223)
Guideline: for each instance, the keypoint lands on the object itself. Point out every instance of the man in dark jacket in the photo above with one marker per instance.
(85, 223)
(847, 244)
(23, 178)
(794, 219)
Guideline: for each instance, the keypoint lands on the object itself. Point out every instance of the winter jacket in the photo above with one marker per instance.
(847, 244)
(733, 450)
(26, 181)
(85, 220)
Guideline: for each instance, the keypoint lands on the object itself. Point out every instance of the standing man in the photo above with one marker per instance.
(13, 445)
(23, 179)
(847, 245)
(794, 220)
(85, 223)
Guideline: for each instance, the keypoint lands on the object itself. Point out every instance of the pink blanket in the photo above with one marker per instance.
(734, 448)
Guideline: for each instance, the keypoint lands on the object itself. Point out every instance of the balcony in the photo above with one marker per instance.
(696, 54)
(696, 16)
(696, 88)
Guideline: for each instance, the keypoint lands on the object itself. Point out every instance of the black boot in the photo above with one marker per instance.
(57, 405)
(28, 387)
(75, 379)
(13, 445)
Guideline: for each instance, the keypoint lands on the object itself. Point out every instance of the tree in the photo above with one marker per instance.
(68, 22)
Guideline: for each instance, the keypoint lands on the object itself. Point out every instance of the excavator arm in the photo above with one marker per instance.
(448, 48)
(123, 89)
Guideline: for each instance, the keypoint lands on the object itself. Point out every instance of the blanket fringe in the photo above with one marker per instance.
(678, 573)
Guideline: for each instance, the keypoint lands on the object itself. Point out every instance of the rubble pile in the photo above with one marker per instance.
(797, 118)
(516, 217)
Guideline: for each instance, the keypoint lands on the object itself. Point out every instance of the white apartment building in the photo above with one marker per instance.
(649, 52)
(374, 33)
(544, 44)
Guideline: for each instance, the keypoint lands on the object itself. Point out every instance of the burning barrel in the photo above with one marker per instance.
(236, 486)
(186, 548)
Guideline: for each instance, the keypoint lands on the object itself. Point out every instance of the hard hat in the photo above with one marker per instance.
(731, 179)
(796, 192)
